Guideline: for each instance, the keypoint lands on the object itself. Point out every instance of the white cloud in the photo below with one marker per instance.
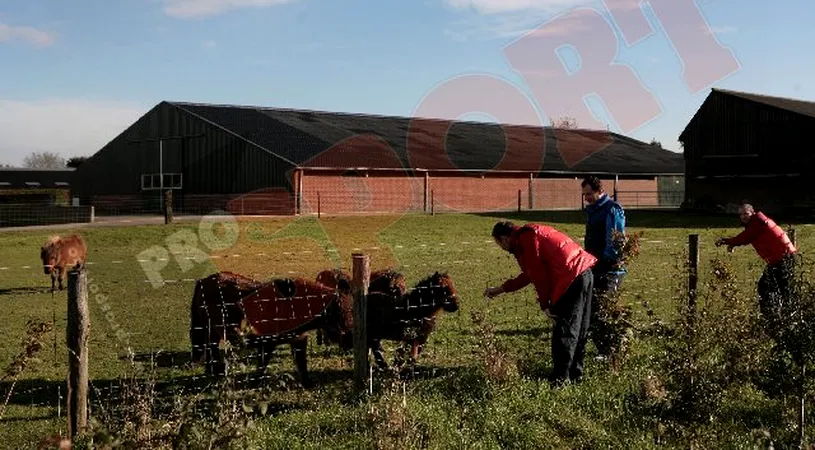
(70, 127)
(720, 30)
(508, 19)
(499, 26)
(509, 25)
(25, 33)
(210, 44)
(503, 6)
(186, 9)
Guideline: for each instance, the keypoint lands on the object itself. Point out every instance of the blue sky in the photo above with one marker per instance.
(75, 74)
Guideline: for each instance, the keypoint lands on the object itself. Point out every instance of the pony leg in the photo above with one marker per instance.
(266, 350)
(379, 353)
(216, 361)
(61, 276)
(416, 349)
(53, 281)
(299, 345)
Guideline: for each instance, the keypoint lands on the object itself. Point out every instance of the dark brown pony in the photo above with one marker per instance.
(409, 318)
(396, 314)
(58, 255)
(385, 280)
(382, 281)
(263, 315)
(215, 316)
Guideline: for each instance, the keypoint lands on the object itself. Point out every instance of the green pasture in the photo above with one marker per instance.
(450, 403)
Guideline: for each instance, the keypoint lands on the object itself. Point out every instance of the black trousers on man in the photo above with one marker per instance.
(572, 315)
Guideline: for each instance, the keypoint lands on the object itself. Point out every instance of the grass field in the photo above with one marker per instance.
(453, 403)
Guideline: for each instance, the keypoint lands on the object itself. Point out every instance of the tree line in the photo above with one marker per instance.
(50, 160)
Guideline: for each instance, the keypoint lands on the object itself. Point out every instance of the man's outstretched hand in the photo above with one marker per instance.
(492, 292)
(723, 241)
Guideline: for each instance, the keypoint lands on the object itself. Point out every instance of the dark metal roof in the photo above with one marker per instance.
(22, 178)
(804, 107)
(345, 140)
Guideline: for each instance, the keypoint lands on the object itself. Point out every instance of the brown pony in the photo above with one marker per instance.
(60, 254)
(238, 309)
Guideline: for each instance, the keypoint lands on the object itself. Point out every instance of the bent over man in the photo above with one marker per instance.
(560, 271)
(774, 246)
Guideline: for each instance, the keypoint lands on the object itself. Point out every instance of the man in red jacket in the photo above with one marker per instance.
(774, 246)
(560, 271)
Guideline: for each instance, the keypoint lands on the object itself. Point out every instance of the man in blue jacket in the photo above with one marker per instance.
(604, 216)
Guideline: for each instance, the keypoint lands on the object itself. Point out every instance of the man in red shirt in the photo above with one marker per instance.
(560, 271)
(774, 246)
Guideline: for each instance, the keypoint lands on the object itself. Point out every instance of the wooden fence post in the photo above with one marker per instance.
(531, 192)
(519, 200)
(77, 340)
(168, 206)
(802, 395)
(693, 270)
(426, 191)
(319, 206)
(432, 203)
(362, 276)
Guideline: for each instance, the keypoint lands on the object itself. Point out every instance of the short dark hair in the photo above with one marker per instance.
(504, 228)
(592, 181)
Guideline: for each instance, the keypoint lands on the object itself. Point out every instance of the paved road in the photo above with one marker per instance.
(108, 221)
(126, 221)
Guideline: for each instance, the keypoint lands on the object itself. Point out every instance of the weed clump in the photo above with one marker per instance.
(498, 365)
(613, 330)
(32, 344)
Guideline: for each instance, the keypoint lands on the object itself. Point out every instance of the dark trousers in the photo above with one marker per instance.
(572, 315)
(606, 283)
(773, 289)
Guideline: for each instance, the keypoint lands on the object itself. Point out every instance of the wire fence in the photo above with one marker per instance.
(421, 323)
(330, 202)
(415, 317)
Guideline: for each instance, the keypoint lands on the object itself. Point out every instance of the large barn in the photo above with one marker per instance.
(744, 146)
(257, 160)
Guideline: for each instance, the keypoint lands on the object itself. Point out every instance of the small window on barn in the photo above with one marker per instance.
(147, 182)
(172, 180)
(32, 183)
(152, 181)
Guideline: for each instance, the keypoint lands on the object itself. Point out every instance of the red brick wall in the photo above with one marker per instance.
(556, 193)
(376, 193)
(564, 193)
(638, 193)
(394, 193)
(473, 193)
